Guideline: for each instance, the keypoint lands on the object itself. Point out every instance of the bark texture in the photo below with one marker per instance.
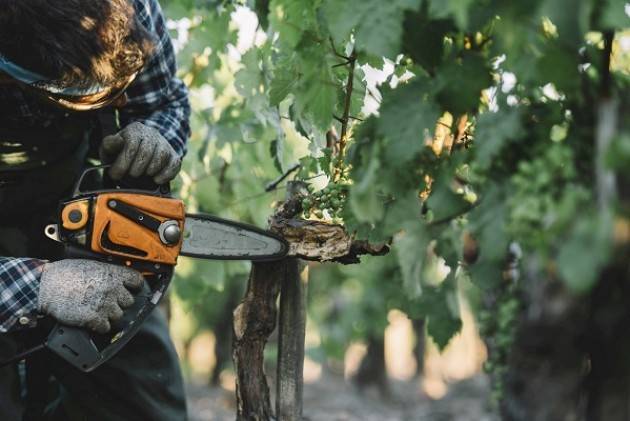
(254, 321)
(317, 240)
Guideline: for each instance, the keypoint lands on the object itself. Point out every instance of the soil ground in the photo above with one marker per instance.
(332, 398)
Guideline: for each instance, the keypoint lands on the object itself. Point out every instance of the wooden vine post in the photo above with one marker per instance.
(255, 316)
(291, 336)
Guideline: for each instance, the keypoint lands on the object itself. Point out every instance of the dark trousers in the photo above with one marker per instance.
(142, 382)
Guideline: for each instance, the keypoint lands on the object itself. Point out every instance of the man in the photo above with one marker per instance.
(64, 65)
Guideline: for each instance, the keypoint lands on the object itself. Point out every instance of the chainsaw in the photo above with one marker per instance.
(146, 230)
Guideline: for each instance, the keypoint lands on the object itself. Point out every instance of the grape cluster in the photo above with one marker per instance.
(330, 199)
(498, 328)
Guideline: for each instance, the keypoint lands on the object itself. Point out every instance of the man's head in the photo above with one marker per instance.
(74, 42)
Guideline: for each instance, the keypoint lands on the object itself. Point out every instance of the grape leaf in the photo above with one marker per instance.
(461, 83)
(440, 307)
(292, 18)
(364, 199)
(319, 97)
(494, 131)
(283, 83)
(407, 117)
(585, 252)
(411, 250)
(377, 24)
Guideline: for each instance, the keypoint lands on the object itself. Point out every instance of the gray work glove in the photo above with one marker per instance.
(87, 293)
(139, 150)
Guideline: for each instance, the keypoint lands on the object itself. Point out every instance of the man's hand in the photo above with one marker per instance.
(87, 293)
(139, 150)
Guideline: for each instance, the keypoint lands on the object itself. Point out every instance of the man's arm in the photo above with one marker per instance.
(19, 288)
(157, 98)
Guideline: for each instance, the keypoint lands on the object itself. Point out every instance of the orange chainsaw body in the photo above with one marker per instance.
(116, 235)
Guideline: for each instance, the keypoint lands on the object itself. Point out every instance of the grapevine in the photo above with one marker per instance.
(534, 99)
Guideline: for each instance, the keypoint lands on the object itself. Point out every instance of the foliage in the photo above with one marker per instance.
(482, 125)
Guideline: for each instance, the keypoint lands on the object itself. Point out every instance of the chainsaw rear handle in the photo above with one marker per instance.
(87, 350)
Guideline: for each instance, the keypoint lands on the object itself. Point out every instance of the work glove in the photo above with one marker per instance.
(87, 293)
(139, 150)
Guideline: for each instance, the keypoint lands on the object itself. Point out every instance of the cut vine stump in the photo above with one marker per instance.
(255, 316)
(254, 321)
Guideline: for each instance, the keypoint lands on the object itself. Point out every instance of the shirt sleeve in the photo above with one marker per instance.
(157, 97)
(19, 288)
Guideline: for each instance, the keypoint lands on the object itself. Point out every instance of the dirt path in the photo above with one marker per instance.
(333, 399)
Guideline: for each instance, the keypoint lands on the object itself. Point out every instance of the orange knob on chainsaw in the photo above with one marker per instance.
(75, 215)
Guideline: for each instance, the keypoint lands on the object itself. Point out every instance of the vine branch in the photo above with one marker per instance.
(319, 241)
(352, 61)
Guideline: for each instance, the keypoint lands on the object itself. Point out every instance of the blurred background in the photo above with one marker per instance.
(526, 97)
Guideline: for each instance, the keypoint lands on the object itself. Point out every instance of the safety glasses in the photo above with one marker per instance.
(87, 98)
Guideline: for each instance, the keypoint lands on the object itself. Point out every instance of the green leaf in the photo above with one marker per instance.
(411, 249)
(618, 154)
(570, 26)
(365, 202)
(585, 252)
(488, 225)
(262, 11)
(615, 14)
(487, 274)
(423, 39)
(292, 19)
(401, 211)
(443, 201)
(461, 82)
(407, 118)
(249, 79)
(442, 326)
(456, 8)
(559, 65)
(442, 311)
(319, 98)
(494, 131)
(377, 24)
(281, 86)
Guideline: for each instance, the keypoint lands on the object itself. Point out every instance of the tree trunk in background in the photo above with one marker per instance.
(547, 365)
(372, 371)
(223, 332)
(254, 321)
(420, 345)
(609, 345)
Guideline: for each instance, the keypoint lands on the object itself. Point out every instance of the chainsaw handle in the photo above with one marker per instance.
(144, 183)
(87, 350)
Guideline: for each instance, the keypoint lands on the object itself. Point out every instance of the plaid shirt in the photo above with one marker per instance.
(156, 98)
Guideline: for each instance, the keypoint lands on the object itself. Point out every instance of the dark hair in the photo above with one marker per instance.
(77, 42)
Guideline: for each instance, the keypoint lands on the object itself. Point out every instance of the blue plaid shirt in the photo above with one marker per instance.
(156, 98)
